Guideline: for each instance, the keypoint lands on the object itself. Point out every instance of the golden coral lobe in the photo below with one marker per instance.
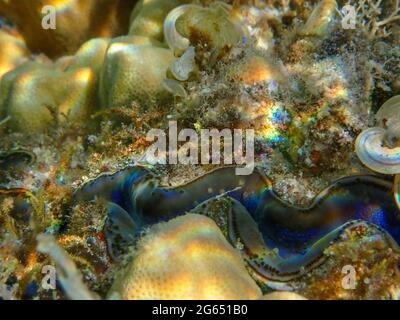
(186, 258)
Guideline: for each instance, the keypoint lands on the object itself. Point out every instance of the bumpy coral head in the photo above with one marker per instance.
(186, 258)
(68, 23)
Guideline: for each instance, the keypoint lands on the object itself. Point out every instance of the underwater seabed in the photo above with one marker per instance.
(86, 213)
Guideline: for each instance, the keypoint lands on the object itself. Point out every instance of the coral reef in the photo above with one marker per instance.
(78, 192)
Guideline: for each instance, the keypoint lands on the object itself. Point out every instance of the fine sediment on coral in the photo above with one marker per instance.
(186, 258)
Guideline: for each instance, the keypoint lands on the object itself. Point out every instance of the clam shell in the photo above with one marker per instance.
(320, 20)
(175, 88)
(280, 242)
(182, 67)
(175, 41)
(392, 135)
(373, 153)
(209, 27)
(389, 113)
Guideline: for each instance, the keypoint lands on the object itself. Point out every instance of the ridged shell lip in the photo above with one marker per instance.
(375, 155)
(175, 41)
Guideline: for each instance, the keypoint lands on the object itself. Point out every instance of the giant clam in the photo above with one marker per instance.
(15, 158)
(257, 218)
(378, 148)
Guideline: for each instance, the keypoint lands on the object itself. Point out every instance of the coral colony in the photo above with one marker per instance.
(178, 149)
